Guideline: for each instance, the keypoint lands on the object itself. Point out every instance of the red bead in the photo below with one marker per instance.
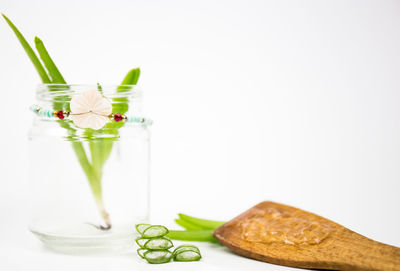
(60, 115)
(117, 117)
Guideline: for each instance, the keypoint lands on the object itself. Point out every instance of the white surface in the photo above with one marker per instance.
(291, 101)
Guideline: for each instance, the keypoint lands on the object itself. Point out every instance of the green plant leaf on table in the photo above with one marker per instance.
(197, 229)
(199, 222)
(196, 235)
(186, 225)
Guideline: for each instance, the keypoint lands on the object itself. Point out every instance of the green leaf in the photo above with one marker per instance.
(203, 223)
(131, 78)
(200, 235)
(29, 51)
(99, 88)
(120, 104)
(187, 225)
(55, 74)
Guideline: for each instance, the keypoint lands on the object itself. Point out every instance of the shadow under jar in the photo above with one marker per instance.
(88, 188)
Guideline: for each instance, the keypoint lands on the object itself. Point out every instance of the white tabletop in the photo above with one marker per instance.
(290, 101)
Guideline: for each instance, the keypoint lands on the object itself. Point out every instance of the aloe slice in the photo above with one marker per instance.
(141, 227)
(187, 255)
(186, 247)
(155, 231)
(141, 241)
(158, 243)
(141, 251)
(158, 256)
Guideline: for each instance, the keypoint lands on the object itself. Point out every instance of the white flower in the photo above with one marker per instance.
(90, 110)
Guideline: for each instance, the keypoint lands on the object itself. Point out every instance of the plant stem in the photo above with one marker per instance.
(100, 148)
(93, 175)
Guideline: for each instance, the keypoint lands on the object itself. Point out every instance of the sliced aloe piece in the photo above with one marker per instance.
(158, 243)
(141, 241)
(158, 256)
(155, 231)
(141, 227)
(141, 252)
(186, 247)
(187, 254)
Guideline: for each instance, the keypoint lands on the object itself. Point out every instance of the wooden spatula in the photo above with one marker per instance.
(285, 235)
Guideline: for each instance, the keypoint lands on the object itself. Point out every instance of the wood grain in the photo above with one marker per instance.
(284, 235)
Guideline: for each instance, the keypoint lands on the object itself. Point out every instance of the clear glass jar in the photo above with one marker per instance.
(88, 188)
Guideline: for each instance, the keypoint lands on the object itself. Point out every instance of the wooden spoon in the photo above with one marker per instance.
(280, 234)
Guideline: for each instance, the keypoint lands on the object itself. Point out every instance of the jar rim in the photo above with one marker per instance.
(52, 92)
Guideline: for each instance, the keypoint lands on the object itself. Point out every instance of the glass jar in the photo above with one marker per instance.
(88, 188)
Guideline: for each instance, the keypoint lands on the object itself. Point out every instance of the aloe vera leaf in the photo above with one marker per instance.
(199, 235)
(121, 106)
(141, 227)
(158, 256)
(203, 223)
(187, 225)
(92, 177)
(94, 170)
(186, 247)
(158, 243)
(29, 51)
(100, 149)
(141, 241)
(141, 251)
(121, 103)
(155, 231)
(131, 78)
(99, 87)
(55, 74)
(187, 255)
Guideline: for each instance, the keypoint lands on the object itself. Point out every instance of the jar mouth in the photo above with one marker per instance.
(64, 92)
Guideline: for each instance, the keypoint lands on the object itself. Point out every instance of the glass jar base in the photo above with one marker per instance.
(105, 244)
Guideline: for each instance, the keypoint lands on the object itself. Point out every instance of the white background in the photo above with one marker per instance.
(290, 101)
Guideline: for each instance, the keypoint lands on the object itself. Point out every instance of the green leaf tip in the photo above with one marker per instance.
(48, 62)
(132, 77)
(5, 17)
(29, 51)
